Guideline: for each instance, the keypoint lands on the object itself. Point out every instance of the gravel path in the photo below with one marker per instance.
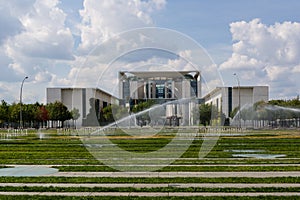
(177, 165)
(159, 185)
(150, 194)
(178, 174)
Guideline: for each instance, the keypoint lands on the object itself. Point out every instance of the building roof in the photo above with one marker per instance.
(80, 88)
(167, 74)
(218, 89)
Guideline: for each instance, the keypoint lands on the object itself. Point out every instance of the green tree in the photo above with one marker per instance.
(209, 114)
(205, 113)
(29, 114)
(75, 115)
(4, 113)
(141, 107)
(119, 112)
(107, 114)
(293, 103)
(58, 112)
(14, 114)
(112, 113)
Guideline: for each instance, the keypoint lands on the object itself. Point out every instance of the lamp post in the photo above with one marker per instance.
(239, 98)
(21, 122)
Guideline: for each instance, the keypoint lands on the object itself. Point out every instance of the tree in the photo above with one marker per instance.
(113, 113)
(205, 114)
(209, 114)
(29, 114)
(58, 112)
(42, 115)
(4, 113)
(107, 114)
(14, 114)
(75, 115)
(119, 112)
(142, 118)
(142, 106)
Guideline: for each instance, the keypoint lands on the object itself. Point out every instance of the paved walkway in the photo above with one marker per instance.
(31, 170)
(158, 175)
(176, 165)
(178, 174)
(44, 170)
(151, 194)
(159, 185)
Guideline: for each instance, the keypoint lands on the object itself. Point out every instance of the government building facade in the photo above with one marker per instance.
(178, 92)
(159, 85)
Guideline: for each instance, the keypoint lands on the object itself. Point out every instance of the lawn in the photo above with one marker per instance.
(63, 149)
(69, 152)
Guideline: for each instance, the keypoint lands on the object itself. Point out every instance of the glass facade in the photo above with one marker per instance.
(160, 91)
(170, 88)
(158, 85)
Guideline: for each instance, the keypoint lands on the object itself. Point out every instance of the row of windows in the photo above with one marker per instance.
(162, 90)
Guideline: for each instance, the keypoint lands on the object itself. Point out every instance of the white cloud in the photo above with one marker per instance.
(10, 12)
(240, 61)
(275, 73)
(296, 69)
(42, 37)
(41, 77)
(266, 54)
(35, 37)
(101, 23)
(44, 34)
(103, 19)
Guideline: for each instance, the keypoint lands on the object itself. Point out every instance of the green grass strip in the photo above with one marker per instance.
(132, 189)
(270, 197)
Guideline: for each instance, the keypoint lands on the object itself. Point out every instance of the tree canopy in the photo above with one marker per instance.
(33, 115)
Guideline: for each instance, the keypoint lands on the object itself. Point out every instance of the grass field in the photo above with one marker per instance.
(248, 151)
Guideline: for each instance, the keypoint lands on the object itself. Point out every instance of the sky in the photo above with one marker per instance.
(53, 41)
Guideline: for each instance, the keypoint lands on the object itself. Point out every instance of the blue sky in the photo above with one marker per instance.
(208, 21)
(49, 40)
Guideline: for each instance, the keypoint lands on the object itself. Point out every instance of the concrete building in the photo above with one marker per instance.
(163, 87)
(179, 93)
(89, 102)
(228, 98)
(166, 85)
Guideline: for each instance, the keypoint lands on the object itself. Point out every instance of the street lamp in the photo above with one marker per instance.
(21, 122)
(239, 98)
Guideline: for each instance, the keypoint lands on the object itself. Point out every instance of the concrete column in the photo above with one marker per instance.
(166, 90)
(199, 87)
(153, 90)
(145, 89)
(173, 89)
(149, 89)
